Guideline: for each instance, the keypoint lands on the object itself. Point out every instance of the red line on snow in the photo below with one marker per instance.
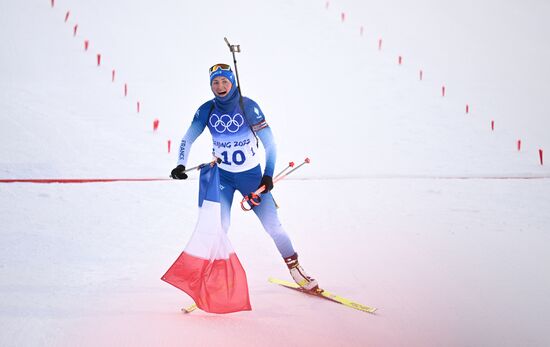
(427, 177)
(80, 180)
(107, 180)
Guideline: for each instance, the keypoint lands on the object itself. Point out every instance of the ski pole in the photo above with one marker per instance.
(200, 166)
(253, 199)
(306, 161)
(215, 161)
(290, 164)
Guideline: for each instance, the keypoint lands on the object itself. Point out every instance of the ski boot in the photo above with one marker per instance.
(299, 275)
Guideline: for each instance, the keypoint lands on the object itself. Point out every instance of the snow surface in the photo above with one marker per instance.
(409, 204)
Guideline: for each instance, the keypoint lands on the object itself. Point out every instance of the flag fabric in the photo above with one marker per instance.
(208, 269)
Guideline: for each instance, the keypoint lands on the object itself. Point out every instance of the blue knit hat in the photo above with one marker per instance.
(223, 70)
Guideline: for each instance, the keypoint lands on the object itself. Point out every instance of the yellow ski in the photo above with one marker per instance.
(189, 308)
(321, 293)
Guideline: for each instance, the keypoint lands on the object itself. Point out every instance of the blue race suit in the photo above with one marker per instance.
(234, 141)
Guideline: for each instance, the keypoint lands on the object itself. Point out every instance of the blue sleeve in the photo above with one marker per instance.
(195, 129)
(268, 141)
(257, 121)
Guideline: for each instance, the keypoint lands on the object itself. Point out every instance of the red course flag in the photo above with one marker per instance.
(208, 269)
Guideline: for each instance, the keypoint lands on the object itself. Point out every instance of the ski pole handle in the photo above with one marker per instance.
(253, 199)
(262, 188)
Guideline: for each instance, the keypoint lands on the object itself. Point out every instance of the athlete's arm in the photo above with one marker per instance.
(268, 141)
(195, 129)
(259, 125)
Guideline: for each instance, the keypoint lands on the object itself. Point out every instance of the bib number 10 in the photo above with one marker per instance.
(237, 157)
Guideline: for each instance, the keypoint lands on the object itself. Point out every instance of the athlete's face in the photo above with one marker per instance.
(221, 86)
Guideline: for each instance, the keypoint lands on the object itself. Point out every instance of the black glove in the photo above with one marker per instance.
(179, 173)
(267, 181)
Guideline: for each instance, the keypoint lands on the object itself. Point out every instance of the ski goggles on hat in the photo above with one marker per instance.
(217, 67)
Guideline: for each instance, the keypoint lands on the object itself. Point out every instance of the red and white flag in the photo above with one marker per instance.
(208, 269)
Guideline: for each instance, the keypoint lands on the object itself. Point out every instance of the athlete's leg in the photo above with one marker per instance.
(266, 211)
(248, 182)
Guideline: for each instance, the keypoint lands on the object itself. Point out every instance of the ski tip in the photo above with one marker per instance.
(319, 292)
(274, 280)
(189, 309)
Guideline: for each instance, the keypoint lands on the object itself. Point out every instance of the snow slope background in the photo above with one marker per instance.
(448, 262)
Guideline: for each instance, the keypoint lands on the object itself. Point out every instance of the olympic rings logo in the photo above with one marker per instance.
(226, 122)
